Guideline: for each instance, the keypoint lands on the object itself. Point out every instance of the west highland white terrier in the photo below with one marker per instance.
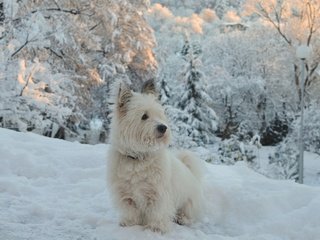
(151, 184)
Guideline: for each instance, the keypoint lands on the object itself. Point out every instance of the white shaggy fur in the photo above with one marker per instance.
(152, 185)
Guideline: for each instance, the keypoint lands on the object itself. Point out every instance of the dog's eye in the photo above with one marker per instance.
(144, 117)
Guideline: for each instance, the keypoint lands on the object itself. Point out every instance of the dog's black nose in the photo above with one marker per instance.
(162, 128)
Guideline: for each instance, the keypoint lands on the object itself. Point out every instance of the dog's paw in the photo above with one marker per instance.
(123, 224)
(182, 219)
(127, 223)
(160, 228)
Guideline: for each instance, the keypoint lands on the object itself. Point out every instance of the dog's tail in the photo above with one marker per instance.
(192, 162)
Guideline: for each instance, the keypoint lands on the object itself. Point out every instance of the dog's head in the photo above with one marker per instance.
(139, 122)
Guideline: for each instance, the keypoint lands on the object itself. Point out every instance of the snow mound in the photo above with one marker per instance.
(53, 189)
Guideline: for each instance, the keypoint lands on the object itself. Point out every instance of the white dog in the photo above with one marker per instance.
(152, 185)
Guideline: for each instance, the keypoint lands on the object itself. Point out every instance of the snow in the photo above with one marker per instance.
(303, 51)
(53, 189)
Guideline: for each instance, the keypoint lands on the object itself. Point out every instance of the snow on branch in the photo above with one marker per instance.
(29, 77)
(23, 45)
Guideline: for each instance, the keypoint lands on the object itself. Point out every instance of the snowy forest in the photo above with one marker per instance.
(227, 71)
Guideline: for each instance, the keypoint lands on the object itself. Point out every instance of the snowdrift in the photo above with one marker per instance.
(53, 189)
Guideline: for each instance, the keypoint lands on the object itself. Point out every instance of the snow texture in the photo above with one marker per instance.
(53, 189)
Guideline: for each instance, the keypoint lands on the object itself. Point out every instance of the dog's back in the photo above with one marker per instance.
(192, 162)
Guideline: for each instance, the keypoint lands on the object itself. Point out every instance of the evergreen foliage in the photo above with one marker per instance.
(283, 163)
(232, 150)
(195, 101)
(275, 132)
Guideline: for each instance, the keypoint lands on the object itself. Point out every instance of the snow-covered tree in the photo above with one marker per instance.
(250, 79)
(190, 6)
(58, 59)
(276, 130)
(296, 22)
(1, 13)
(232, 150)
(249, 72)
(283, 164)
(165, 92)
(178, 120)
(311, 131)
(195, 100)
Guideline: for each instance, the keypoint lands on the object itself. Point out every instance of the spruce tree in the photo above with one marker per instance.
(195, 101)
(164, 91)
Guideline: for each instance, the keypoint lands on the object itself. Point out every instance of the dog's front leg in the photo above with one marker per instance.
(158, 215)
(130, 213)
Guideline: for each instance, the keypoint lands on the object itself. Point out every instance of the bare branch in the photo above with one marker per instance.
(311, 72)
(311, 21)
(262, 11)
(72, 11)
(92, 28)
(54, 52)
(21, 47)
(55, 2)
(58, 9)
(27, 82)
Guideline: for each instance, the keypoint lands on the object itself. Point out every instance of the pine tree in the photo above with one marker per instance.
(164, 91)
(1, 13)
(195, 101)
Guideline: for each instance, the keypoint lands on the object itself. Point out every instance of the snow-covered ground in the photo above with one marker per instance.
(53, 189)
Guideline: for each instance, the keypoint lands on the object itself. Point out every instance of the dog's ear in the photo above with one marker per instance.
(149, 87)
(124, 96)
